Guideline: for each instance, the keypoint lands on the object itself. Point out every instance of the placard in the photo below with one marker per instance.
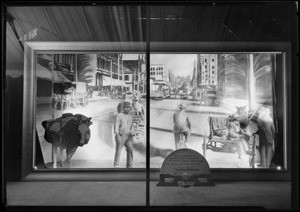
(185, 167)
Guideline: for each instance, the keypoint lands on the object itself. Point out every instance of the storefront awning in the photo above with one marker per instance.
(59, 77)
(54, 76)
(42, 72)
(107, 81)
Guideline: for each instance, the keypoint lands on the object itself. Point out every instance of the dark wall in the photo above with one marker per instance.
(13, 126)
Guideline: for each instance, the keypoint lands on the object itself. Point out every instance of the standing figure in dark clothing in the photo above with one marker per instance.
(266, 132)
(91, 92)
(182, 127)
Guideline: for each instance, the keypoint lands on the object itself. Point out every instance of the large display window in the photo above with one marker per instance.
(212, 86)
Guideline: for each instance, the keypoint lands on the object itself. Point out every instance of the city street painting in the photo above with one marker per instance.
(222, 98)
(77, 97)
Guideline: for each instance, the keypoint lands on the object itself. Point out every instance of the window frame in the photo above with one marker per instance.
(29, 100)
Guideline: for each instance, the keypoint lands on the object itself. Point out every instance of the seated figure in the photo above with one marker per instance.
(237, 129)
(237, 124)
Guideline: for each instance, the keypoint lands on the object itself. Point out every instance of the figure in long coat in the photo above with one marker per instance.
(266, 132)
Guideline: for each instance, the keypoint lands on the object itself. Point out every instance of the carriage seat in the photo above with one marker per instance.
(218, 128)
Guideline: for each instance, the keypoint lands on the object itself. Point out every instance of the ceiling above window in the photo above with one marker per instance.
(211, 22)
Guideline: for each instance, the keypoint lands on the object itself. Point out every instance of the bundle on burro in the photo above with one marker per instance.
(67, 132)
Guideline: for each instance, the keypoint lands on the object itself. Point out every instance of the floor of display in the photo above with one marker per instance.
(269, 195)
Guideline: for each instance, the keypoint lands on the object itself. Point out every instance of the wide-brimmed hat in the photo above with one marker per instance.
(126, 105)
(182, 105)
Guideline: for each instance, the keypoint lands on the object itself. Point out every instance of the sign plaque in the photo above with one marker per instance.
(185, 167)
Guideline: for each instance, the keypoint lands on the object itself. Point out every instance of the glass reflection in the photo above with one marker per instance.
(220, 105)
(85, 90)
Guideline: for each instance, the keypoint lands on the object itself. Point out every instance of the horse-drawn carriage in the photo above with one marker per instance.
(68, 95)
(231, 134)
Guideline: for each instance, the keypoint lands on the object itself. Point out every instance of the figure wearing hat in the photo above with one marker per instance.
(182, 127)
(120, 105)
(124, 135)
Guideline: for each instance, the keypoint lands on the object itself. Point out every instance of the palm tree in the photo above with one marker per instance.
(262, 64)
(83, 68)
(237, 65)
(263, 75)
(232, 68)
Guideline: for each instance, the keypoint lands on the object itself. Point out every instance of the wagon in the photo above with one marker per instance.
(218, 134)
(138, 126)
(68, 95)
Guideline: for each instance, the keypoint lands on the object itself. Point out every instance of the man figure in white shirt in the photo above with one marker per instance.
(124, 135)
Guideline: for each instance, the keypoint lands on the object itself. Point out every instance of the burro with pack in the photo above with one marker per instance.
(67, 132)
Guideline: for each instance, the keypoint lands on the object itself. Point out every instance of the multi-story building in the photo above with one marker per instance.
(159, 72)
(208, 69)
(134, 76)
(109, 65)
(65, 63)
(129, 80)
(97, 70)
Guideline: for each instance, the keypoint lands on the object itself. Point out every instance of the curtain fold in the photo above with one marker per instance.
(277, 159)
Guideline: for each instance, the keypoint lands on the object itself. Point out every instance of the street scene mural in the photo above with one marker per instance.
(90, 110)
(220, 105)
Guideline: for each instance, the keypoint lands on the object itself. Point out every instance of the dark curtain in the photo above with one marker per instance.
(277, 159)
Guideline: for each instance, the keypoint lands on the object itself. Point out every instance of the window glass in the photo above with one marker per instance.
(215, 115)
(92, 87)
